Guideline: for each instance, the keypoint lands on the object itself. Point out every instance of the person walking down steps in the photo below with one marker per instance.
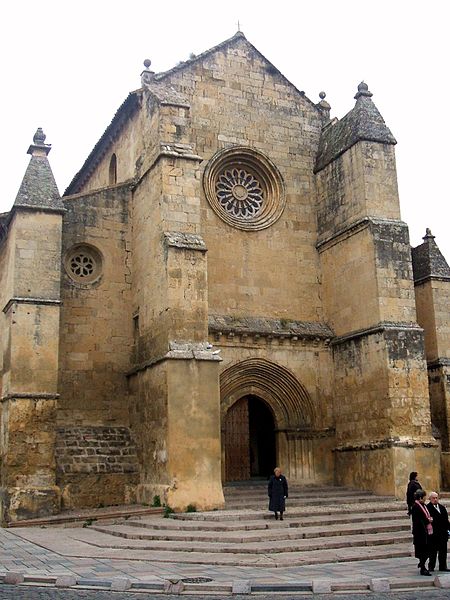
(278, 492)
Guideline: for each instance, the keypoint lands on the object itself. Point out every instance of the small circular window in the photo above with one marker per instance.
(83, 264)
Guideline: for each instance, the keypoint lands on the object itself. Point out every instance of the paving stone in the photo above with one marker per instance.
(120, 584)
(321, 586)
(13, 578)
(173, 587)
(241, 587)
(380, 585)
(66, 581)
(442, 581)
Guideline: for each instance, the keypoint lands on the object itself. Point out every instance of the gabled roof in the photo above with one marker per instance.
(125, 111)
(163, 93)
(238, 36)
(428, 261)
(38, 189)
(363, 122)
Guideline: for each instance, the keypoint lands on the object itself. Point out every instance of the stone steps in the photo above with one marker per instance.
(321, 525)
(273, 534)
(322, 555)
(331, 517)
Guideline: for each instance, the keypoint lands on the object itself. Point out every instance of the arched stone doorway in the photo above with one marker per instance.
(249, 439)
(262, 388)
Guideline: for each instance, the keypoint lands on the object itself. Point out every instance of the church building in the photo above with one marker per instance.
(225, 286)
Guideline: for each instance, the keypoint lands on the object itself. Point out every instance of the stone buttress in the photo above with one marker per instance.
(381, 403)
(31, 256)
(432, 288)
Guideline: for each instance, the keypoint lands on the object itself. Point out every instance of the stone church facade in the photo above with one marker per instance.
(225, 285)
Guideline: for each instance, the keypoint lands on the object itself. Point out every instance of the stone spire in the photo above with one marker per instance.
(428, 261)
(38, 189)
(363, 122)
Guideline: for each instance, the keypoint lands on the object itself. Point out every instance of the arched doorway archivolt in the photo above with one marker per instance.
(277, 386)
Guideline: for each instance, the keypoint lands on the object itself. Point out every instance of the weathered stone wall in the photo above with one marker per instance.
(238, 99)
(30, 338)
(433, 300)
(350, 291)
(96, 466)
(362, 182)
(96, 318)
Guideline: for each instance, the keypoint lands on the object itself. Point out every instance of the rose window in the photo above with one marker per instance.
(240, 193)
(83, 264)
(244, 188)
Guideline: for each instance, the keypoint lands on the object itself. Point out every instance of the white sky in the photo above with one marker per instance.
(67, 66)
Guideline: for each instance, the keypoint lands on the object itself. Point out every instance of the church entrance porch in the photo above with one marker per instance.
(249, 440)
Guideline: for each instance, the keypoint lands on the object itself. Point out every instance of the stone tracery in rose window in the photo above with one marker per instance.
(240, 193)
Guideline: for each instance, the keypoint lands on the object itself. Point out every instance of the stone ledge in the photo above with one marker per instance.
(40, 301)
(438, 363)
(263, 327)
(187, 241)
(374, 329)
(179, 351)
(386, 443)
(28, 396)
(347, 231)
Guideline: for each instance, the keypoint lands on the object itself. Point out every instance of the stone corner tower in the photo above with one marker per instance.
(381, 403)
(432, 288)
(30, 258)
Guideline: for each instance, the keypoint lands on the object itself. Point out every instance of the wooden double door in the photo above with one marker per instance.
(249, 440)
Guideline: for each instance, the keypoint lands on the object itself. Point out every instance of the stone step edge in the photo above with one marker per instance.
(311, 585)
(238, 515)
(293, 523)
(127, 531)
(94, 516)
(197, 547)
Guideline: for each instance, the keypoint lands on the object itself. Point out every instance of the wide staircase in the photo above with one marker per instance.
(321, 525)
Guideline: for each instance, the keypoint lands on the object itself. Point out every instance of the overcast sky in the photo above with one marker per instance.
(67, 66)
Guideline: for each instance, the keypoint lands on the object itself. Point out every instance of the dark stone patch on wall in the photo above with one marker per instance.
(334, 198)
(405, 344)
(95, 450)
(393, 249)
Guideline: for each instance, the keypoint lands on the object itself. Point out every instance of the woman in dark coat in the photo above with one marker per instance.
(278, 492)
(422, 530)
(413, 486)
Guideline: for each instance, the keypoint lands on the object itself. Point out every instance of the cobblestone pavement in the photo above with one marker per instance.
(18, 554)
(37, 593)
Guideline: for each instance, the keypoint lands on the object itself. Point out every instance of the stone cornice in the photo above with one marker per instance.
(307, 433)
(256, 328)
(347, 231)
(19, 300)
(179, 351)
(430, 278)
(28, 396)
(386, 443)
(438, 363)
(374, 329)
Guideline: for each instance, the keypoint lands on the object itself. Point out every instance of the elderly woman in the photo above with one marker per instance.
(278, 492)
(422, 530)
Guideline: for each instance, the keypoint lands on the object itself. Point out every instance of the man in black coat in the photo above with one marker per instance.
(441, 526)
